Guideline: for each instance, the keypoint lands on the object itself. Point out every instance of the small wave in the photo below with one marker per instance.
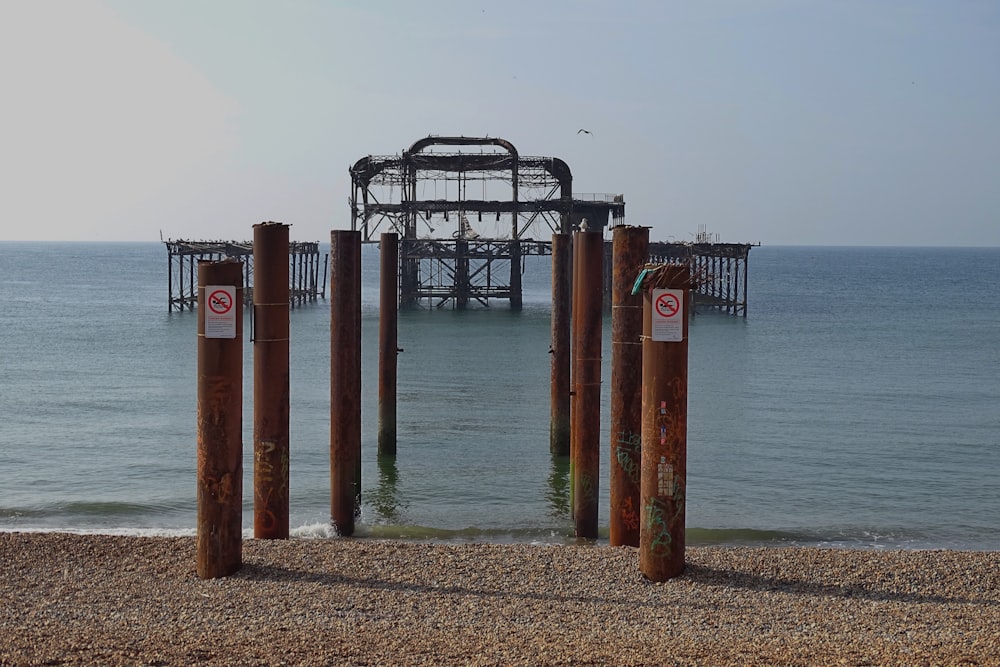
(88, 510)
(415, 533)
(314, 531)
(470, 534)
(743, 537)
(126, 532)
(108, 509)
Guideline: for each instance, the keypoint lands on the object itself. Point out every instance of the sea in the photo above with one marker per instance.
(856, 405)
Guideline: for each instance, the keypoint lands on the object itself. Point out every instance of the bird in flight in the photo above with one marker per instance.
(584, 131)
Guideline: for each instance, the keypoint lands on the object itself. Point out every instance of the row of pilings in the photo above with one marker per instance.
(648, 391)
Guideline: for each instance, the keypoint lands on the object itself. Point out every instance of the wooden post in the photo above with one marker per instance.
(345, 379)
(388, 350)
(585, 413)
(630, 248)
(270, 381)
(559, 348)
(666, 306)
(219, 540)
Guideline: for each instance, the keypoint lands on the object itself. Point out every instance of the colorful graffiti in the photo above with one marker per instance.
(662, 513)
(628, 454)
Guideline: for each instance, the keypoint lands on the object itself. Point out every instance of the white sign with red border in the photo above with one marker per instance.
(668, 315)
(220, 313)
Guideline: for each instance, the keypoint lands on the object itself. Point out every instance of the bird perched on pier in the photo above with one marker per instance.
(584, 131)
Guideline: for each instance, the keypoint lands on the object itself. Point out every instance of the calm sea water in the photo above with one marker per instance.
(857, 405)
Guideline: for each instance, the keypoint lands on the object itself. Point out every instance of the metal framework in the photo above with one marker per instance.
(718, 270)
(182, 277)
(467, 210)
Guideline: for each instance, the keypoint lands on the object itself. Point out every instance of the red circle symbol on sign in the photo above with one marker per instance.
(219, 302)
(667, 305)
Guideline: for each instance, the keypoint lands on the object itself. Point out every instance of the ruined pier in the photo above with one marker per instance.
(307, 279)
(468, 210)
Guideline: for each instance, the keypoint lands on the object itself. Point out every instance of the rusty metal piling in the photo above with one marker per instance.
(585, 454)
(219, 540)
(388, 349)
(516, 296)
(666, 306)
(270, 380)
(630, 246)
(559, 347)
(345, 379)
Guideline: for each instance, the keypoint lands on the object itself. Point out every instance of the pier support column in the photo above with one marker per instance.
(219, 541)
(666, 305)
(408, 273)
(462, 285)
(585, 446)
(388, 350)
(516, 296)
(345, 379)
(559, 347)
(270, 380)
(630, 248)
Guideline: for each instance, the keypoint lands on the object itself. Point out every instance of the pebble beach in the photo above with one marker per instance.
(70, 599)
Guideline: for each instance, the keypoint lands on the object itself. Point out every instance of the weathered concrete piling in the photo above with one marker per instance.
(219, 540)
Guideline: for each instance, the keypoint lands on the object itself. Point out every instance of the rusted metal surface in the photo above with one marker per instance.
(720, 270)
(219, 540)
(345, 379)
(663, 489)
(575, 264)
(388, 349)
(271, 306)
(559, 348)
(516, 299)
(586, 378)
(477, 190)
(182, 256)
(629, 248)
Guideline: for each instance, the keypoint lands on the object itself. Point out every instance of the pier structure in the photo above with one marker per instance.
(467, 210)
(307, 280)
(718, 271)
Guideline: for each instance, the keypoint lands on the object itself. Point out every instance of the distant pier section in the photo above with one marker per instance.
(718, 270)
(468, 210)
(306, 277)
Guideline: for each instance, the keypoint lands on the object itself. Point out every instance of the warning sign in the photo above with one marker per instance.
(668, 315)
(220, 315)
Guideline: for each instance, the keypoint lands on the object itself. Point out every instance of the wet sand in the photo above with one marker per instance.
(87, 599)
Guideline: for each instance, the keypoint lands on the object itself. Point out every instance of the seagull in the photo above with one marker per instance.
(584, 131)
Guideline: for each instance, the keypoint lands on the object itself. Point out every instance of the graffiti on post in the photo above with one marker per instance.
(662, 513)
(588, 492)
(628, 454)
(630, 518)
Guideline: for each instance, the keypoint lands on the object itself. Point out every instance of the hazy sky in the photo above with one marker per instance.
(808, 122)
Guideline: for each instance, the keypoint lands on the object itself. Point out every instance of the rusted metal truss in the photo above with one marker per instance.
(307, 281)
(459, 271)
(463, 208)
(718, 271)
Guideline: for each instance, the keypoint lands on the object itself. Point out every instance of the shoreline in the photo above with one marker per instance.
(724, 538)
(71, 598)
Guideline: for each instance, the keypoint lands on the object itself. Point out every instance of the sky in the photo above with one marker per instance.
(820, 122)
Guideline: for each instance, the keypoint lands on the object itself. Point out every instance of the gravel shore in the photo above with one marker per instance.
(94, 599)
